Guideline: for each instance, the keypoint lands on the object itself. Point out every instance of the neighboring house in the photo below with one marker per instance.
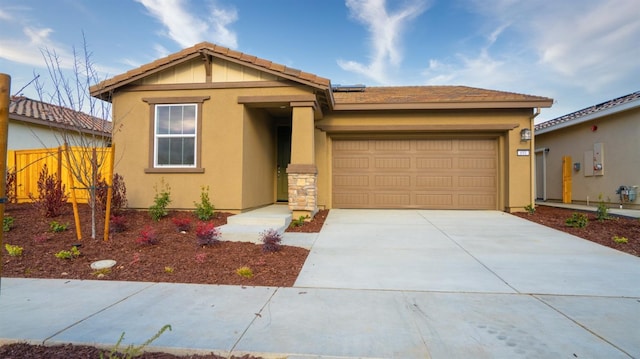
(601, 148)
(257, 133)
(35, 124)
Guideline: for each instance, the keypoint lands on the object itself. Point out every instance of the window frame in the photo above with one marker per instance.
(153, 167)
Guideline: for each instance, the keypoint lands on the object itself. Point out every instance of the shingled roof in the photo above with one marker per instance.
(207, 48)
(436, 97)
(602, 109)
(27, 110)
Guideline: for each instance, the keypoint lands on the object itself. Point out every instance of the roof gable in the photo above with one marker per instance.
(202, 51)
(27, 110)
(606, 108)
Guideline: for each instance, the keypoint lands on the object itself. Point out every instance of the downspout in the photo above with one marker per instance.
(532, 157)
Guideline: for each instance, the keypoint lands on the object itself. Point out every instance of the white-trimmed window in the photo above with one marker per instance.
(175, 143)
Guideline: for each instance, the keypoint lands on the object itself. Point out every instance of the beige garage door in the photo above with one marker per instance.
(415, 173)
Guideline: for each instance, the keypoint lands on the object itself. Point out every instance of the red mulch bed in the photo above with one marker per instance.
(601, 232)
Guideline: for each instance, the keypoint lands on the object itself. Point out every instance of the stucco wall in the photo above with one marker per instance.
(235, 151)
(515, 185)
(619, 134)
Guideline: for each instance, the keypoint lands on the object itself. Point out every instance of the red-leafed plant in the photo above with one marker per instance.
(118, 223)
(183, 224)
(207, 234)
(118, 194)
(270, 240)
(52, 196)
(148, 236)
(201, 257)
(11, 186)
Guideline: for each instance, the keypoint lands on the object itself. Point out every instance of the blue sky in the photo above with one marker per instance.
(578, 52)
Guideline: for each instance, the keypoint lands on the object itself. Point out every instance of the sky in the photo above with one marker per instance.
(578, 52)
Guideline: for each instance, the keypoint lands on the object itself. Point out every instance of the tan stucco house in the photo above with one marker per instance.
(600, 151)
(257, 133)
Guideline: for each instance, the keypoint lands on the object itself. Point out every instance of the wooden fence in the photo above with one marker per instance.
(29, 163)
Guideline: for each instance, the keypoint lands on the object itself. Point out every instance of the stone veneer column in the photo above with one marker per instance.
(302, 171)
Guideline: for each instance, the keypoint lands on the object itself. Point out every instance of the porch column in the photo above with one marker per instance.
(302, 171)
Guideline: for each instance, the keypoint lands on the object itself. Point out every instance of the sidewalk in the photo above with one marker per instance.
(633, 213)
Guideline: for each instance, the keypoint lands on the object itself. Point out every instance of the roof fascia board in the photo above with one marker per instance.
(443, 105)
(414, 128)
(592, 116)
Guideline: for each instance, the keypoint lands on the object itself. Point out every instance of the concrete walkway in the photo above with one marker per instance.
(377, 284)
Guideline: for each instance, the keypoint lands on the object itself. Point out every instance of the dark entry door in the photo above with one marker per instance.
(284, 157)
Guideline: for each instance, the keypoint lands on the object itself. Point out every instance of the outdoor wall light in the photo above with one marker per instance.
(525, 134)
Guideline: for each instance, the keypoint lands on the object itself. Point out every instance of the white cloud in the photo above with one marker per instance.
(385, 31)
(187, 28)
(28, 49)
(579, 53)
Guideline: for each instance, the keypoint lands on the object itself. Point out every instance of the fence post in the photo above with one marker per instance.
(5, 89)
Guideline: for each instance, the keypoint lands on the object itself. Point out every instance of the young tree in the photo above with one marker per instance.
(69, 88)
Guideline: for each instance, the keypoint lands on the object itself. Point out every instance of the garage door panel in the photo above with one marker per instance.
(392, 181)
(393, 199)
(416, 173)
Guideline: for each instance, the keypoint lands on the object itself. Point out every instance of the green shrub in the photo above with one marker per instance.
(14, 251)
(7, 223)
(620, 239)
(160, 201)
(204, 209)
(244, 272)
(602, 212)
(577, 220)
(530, 208)
(73, 253)
(56, 227)
(298, 222)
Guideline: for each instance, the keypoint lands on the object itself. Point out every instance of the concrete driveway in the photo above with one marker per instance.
(462, 251)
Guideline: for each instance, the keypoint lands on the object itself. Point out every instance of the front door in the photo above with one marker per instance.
(284, 157)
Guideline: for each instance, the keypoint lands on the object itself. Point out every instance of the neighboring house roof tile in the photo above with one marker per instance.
(108, 85)
(436, 95)
(617, 104)
(25, 109)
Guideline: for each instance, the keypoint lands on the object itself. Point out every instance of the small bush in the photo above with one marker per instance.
(14, 251)
(620, 240)
(298, 222)
(204, 209)
(52, 197)
(118, 194)
(10, 188)
(129, 352)
(56, 227)
(118, 223)
(577, 220)
(7, 223)
(169, 269)
(602, 212)
(207, 234)
(270, 240)
(530, 208)
(160, 201)
(73, 253)
(148, 235)
(183, 224)
(244, 272)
